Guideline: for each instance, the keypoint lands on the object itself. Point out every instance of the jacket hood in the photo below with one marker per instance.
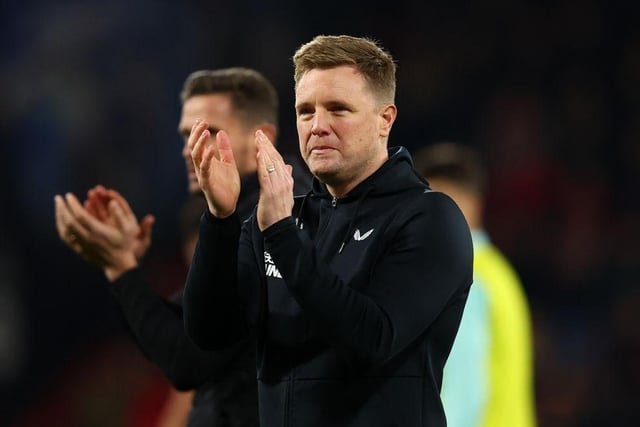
(396, 174)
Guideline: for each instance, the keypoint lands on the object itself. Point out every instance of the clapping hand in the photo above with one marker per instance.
(103, 230)
(215, 168)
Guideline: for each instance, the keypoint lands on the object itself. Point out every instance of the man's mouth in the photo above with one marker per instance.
(323, 149)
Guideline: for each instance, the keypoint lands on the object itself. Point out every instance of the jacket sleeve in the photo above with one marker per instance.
(426, 261)
(216, 312)
(157, 327)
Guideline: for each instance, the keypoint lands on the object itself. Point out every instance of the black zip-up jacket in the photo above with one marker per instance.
(224, 380)
(355, 302)
(226, 393)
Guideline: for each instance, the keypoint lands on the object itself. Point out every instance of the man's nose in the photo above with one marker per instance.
(320, 124)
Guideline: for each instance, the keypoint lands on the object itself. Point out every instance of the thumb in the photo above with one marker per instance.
(146, 225)
(289, 169)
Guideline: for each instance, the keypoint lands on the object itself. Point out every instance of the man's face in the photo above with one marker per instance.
(216, 110)
(342, 130)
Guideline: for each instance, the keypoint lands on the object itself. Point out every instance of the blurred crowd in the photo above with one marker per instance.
(549, 91)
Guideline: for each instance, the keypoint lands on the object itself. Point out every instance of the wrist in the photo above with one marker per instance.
(113, 272)
(219, 214)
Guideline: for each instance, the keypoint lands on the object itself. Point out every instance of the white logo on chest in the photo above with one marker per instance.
(359, 237)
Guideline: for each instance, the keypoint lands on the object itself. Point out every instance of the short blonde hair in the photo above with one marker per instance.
(372, 61)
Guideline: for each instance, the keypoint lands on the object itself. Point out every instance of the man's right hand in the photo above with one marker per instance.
(215, 168)
(97, 204)
(110, 243)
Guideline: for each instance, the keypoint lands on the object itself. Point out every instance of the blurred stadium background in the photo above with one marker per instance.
(548, 90)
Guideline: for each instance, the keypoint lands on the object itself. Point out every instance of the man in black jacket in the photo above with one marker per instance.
(355, 291)
(106, 233)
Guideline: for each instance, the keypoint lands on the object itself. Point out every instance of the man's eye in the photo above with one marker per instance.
(304, 113)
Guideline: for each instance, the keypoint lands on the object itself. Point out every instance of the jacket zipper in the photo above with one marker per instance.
(287, 400)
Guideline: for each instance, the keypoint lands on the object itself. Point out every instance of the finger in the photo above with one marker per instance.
(100, 206)
(146, 226)
(82, 224)
(197, 138)
(264, 161)
(289, 176)
(67, 231)
(225, 153)
(194, 134)
(124, 221)
(276, 175)
(97, 203)
(68, 216)
(270, 159)
(97, 190)
(114, 195)
(266, 145)
(90, 207)
(76, 209)
(208, 158)
(200, 148)
(93, 206)
(265, 169)
(61, 225)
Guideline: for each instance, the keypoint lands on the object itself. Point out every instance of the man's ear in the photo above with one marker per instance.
(270, 131)
(387, 117)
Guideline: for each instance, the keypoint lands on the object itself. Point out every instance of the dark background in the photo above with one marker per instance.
(549, 91)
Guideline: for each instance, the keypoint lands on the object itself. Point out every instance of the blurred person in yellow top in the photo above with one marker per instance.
(488, 378)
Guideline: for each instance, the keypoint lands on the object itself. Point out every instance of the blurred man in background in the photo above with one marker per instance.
(106, 233)
(488, 379)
